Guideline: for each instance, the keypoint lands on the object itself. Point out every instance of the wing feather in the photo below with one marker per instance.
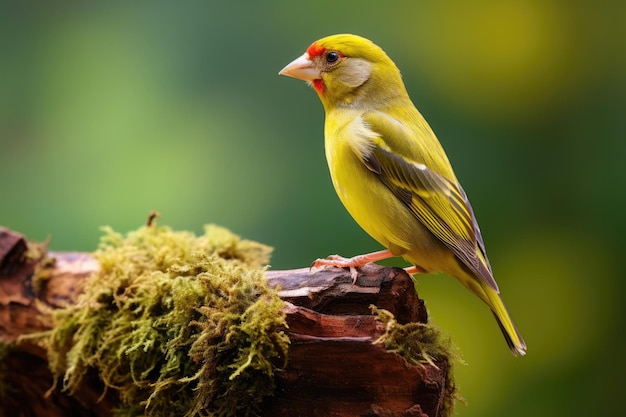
(438, 203)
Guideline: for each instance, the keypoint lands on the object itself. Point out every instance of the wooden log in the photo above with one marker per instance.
(334, 368)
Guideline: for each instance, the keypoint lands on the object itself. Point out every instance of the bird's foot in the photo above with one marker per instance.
(352, 263)
(339, 262)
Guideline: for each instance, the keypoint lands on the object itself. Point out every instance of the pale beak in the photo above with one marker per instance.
(302, 68)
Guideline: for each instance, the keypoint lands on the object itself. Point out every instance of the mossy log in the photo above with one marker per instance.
(334, 367)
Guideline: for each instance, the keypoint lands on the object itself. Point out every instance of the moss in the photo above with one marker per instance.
(43, 266)
(176, 324)
(422, 344)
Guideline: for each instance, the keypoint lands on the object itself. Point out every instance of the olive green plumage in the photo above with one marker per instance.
(390, 171)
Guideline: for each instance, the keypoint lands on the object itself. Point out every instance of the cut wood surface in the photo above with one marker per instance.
(334, 368)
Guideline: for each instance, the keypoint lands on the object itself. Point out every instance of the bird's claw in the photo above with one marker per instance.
(338, 262)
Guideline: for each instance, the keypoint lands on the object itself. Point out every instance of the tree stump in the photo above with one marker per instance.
(334, 366)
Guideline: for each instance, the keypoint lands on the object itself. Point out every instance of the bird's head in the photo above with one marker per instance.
(347, 70)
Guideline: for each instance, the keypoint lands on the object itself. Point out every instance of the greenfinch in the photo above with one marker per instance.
(392, 174)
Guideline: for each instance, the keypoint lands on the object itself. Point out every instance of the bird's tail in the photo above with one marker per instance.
(511, 334)
(491, 297)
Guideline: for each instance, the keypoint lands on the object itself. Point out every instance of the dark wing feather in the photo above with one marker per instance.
(441, 205)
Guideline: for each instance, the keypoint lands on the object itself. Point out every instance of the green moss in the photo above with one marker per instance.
(38, 253)
(422, 344)
(175, 324)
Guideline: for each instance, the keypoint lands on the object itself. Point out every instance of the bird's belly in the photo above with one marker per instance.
(382, 215)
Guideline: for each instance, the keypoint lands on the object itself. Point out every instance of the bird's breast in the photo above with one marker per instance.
(365, 197)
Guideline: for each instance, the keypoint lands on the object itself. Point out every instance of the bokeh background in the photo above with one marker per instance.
(111, 110)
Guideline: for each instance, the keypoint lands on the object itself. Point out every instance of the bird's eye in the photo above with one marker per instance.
(332, 57)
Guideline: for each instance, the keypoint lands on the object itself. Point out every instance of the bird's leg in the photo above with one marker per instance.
(354, 262)
(412, 270)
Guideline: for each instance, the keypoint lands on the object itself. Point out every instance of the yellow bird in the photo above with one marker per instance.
(391, 173)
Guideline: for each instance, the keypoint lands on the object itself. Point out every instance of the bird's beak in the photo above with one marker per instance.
(302, 68)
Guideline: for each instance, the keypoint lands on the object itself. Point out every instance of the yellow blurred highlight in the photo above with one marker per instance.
(561, 284)
(503, 61)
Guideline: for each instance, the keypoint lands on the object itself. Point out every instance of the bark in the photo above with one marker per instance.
(334, 367)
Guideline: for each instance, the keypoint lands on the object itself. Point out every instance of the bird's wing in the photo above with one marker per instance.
(438, 203)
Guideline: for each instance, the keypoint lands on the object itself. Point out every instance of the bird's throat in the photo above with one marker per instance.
(318, 85)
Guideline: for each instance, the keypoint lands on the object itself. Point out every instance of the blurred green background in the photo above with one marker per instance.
(111, 110)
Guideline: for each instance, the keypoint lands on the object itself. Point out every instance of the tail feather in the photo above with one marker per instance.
(516, 344)
(509, 330)
(492, 298)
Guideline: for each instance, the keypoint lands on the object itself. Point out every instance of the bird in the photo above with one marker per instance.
(392, 174)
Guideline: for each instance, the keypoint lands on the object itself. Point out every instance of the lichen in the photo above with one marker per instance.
(422, 344)
(175, 324)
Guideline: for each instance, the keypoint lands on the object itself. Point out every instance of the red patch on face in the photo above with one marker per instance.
(315, 50)
(318, 85)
